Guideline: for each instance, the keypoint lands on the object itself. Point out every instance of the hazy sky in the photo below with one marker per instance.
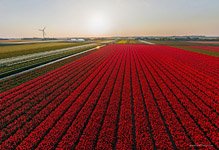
(66, 18)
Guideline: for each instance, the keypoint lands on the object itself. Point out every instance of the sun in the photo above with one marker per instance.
(99, 24)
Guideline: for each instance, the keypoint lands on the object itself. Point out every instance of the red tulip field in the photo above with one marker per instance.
(122, 96)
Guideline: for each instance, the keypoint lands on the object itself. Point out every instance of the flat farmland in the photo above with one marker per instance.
(24, 49)
(13, 65)
(127, 41)
(208, 48)
(122, 96)
(35, 56)
(203, 47)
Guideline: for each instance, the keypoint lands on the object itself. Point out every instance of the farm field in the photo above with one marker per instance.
(2, 40)
(203, 47)
(127, 41)
(208, 48)
(10, 66)
(205, 42)
(24, 49)
(8, 83)
(122, 96)
(185, 43)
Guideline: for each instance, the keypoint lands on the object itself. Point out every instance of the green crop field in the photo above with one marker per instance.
(17, 50)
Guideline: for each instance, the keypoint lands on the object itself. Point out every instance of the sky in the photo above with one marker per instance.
(94, 18)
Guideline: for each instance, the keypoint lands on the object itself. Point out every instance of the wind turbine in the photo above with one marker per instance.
(43, 31)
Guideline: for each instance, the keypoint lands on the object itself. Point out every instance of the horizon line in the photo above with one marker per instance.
(215, 36)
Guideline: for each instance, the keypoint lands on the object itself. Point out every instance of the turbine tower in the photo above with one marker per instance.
(43, 32)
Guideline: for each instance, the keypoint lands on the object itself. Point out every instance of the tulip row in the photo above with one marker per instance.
(52, 105)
